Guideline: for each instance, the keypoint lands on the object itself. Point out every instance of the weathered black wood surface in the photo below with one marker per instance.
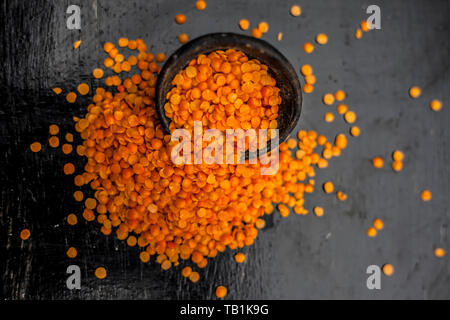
(299, 257)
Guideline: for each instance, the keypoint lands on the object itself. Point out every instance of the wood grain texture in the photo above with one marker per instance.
(296, 258)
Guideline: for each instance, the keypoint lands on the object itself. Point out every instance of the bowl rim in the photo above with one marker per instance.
(196, 46)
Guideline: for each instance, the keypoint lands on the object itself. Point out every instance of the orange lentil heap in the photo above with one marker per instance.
(224, 90)
(189, 211)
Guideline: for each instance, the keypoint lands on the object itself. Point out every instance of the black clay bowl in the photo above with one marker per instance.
(279, 68)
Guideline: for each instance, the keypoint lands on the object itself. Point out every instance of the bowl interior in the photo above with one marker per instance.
(279, 68)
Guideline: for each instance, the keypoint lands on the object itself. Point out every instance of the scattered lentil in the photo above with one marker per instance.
(183, 38)
(83, 89)
(239, 257)
(72, 252)
(244, 24)
(256, 33)
(439, 252)
(426, 195)
(97, 73)
(263, 27)
(221, 292)
(200, 5)
(186, 272)
(72, 219)
(355, 131)
(342, 108)
(341, 196)
(306, 70)
(78, 195)
(310, 79)
(339, 95)
(67, 148)
(53, 141)
(377, 162)
(308, 88)
(436, 105)
(144, 256)
(318, 211)
(371, 232)
(365, 26)
(350, 117)
(194, 277)
(53, 129)
(296, 10)
(388, 269)
(329, 117)
(328, 99)
(100, 273)
(308, 47)
(69, 137)
(378, 224)
(180, 18)
(415, 92)
(397, 166)
(322, 38)
(25, 234)
(71, 97)
(328, 187)
(160, 57)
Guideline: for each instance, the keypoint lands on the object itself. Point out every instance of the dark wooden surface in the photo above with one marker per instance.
(296, 258)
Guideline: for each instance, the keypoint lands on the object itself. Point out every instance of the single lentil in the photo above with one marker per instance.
(221, 292)
(72, 252)
(244, 24)
(100, 273)
(25, 234)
